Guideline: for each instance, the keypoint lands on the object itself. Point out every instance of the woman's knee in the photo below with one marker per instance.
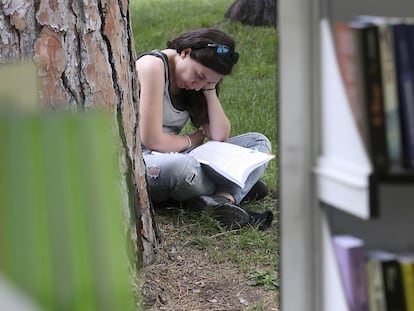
(178, 175)
(263, 143)
(169, 166)
(191, 180)
(254, 140)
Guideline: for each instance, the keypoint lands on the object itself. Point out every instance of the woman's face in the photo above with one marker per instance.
(191, 75)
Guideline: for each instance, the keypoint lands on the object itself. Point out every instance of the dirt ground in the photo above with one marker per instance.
(185, 277)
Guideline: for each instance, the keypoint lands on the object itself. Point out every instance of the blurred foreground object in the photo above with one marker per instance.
(18, 86)
(62, 241)
(11, 299)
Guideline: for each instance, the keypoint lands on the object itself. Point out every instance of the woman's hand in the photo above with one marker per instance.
(197, 137)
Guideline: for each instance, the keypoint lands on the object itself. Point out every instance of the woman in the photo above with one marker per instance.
(181, 83)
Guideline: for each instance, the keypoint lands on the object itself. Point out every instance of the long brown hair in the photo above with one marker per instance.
(203, 43)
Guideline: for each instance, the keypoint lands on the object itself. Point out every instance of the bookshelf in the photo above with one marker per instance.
(327, 185)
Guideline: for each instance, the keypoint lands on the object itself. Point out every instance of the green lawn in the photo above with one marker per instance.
(249, 97)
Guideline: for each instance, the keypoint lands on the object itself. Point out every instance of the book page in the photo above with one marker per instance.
(232, 161)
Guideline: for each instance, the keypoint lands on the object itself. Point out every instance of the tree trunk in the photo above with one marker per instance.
(86, 59)
(253, 12)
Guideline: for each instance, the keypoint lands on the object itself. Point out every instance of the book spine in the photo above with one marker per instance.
(407, 271)
(410, 34)
(375, 285)
(350, 64)
(393, 285)
(390, 91)
(374, 99)
(405, 76)
(351, 263)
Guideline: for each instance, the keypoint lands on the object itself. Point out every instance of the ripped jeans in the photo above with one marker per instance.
(179, 177)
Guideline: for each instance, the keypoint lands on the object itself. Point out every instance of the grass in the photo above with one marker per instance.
(249, 97)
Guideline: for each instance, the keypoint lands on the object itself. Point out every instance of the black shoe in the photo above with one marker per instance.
(165, 204)
(230, 215)
(263, 220)
(258, 192)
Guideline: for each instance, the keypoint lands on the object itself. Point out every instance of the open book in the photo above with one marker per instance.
(231, 161)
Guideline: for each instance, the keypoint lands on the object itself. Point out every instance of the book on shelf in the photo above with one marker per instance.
(407, 271)
(389, 87)
(405, 77)
(372, 77)
(375, 56)
(394, 292)
(348, 55)
(390, 93)
(390, 270)
(349, 253)
(231, 161)
(375, 282)
(359, 61)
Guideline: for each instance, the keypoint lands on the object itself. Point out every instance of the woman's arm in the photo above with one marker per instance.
(151, 83)
(219, 126)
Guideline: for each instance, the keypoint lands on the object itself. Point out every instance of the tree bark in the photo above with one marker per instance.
(253, 12)
(85, 55)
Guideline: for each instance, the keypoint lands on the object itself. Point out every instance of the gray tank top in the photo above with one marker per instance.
(173, 118)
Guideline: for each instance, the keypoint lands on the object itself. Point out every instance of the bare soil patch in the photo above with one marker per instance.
(187, 276)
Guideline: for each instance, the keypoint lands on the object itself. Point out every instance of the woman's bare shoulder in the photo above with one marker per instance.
(149, 63)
